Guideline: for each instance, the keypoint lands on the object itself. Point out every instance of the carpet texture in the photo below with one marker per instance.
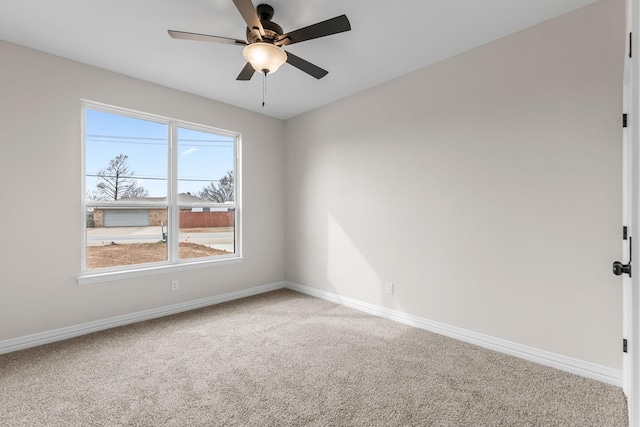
(287, 359)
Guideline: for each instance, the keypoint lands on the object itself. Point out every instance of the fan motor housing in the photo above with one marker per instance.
(271, 30)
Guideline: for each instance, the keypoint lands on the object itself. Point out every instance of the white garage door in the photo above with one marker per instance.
(126, 218)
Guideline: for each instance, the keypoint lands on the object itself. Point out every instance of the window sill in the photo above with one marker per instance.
(90, 278)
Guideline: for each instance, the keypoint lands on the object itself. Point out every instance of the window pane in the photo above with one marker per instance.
(125, 236)
(205, 166)
(206, 232)
(126, 158)
(142, 171)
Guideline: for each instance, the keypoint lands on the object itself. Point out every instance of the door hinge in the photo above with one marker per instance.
(624, 120)
(624, 345)
(624, 232)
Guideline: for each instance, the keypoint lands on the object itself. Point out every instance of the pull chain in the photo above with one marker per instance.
(264, 87)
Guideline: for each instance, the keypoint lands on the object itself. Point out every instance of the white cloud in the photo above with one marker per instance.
(190, 150)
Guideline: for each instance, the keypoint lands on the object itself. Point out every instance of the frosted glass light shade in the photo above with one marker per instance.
(264, 57)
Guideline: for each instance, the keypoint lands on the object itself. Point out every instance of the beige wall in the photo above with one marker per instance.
(41, 167)
(486, 187)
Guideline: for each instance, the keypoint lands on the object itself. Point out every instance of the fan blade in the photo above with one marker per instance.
(205, 38)
(306, 66)
(246, 73)
(250, 16)
(331, 26)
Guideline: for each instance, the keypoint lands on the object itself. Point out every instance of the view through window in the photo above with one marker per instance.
(156, 190)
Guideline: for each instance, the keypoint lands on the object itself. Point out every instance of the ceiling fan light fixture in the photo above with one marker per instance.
(264, 57)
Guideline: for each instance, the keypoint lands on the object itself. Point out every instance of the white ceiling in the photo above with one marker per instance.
(388, 39)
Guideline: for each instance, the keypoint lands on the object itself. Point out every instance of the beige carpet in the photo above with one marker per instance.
(287, 359)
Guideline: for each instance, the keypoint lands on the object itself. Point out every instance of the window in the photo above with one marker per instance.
(157, 193)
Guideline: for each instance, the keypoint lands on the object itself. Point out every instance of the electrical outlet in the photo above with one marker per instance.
(389, 287)
(175, 285)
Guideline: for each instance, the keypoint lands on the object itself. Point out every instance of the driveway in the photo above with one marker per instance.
(223, 240)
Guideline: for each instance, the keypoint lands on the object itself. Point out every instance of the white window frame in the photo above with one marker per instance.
(173, 262)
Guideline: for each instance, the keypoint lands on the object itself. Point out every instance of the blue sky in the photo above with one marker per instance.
(202, 157)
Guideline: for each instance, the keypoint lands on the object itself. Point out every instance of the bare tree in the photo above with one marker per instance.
(117, 181)
(220, 191)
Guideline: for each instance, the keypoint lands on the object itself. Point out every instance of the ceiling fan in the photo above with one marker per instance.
(265, 39)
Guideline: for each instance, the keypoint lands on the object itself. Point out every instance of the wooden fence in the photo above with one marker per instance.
(190, 219)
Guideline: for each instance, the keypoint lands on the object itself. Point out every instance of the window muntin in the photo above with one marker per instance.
(147, 191)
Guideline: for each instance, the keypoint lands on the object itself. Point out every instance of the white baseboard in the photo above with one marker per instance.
(34, 340)
(564, 363)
